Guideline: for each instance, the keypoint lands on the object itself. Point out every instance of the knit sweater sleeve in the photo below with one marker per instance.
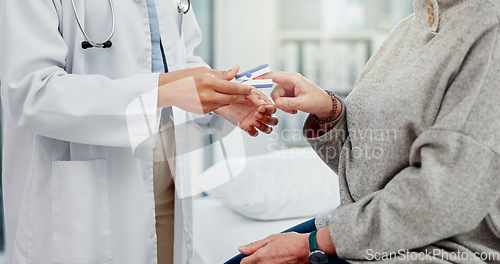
(329, 145)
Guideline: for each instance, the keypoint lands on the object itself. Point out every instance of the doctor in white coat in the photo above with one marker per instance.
(80, 124)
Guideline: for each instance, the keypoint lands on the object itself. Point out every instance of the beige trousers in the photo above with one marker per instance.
(164, 191)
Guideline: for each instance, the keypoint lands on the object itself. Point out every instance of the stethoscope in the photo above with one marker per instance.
(183, 7)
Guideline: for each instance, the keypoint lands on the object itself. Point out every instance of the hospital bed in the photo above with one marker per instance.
(271, 193)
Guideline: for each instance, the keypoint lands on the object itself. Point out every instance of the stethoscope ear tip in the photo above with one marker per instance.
(105, 45)
(86, 45)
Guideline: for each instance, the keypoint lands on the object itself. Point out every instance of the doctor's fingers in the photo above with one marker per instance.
(266, 110)
(252, 131)
(267, 119)
(221, 99)
(226, 75)
(266, 106)
(266, 129)
(227, 87)
(209, 82)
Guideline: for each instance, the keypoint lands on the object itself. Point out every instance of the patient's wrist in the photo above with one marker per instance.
(329, 114)
(325, 243)
(313, 129)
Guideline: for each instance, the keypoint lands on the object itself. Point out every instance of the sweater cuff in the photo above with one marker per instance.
(312, 130)
(309, 127)
(323, 219)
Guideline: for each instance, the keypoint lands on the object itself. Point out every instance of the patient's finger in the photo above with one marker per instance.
(249, 260)
(289, 103)
(278, 91)
(253, 247)
(281, 92)
(262, 256)
(281, 77)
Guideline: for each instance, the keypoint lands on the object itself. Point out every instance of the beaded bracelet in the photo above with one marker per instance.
(331, 119)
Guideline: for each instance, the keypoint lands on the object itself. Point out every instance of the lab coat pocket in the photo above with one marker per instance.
(80, 212)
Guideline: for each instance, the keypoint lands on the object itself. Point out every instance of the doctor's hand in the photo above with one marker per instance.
(252, 113)
(295, 93)
(200, 90)
(278, 249)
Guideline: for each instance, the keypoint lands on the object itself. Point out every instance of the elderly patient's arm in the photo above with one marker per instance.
(286, 248)
(295, 93)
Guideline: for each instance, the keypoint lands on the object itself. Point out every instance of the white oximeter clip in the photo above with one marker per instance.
(251, 77)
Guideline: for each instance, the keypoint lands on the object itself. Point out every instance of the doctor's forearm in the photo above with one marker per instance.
(178, 88)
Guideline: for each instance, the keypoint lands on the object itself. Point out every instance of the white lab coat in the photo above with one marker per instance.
(76, 188)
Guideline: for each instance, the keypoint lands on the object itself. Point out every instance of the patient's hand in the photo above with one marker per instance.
(295, 93)
(252, 113)
(282, 248)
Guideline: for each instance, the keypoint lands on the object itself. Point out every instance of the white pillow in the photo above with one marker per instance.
(285, 184)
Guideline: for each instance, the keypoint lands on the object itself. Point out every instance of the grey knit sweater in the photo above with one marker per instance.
(418, 150)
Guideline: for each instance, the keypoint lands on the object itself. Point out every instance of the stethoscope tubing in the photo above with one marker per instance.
(107, 42)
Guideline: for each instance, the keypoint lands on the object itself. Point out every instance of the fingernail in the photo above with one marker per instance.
(242, 248)
(262, 101)
(234, 66)
(262, 110)
(256, 124)
(259, 116)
